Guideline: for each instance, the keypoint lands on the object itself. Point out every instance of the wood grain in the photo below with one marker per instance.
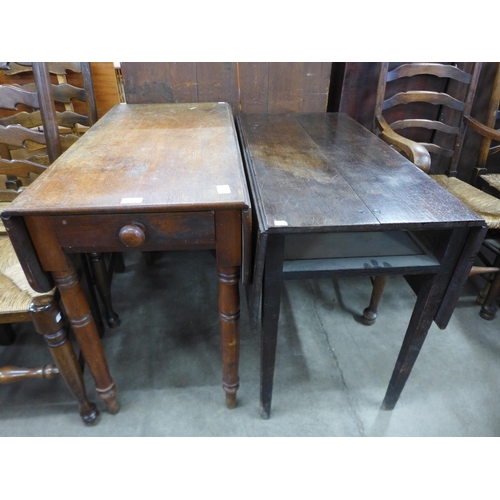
(166, 156)
(103, 75)
(299, 163)
(249, 87)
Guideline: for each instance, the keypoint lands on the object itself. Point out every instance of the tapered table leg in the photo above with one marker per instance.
(84, 328)
(420, 322)
(47, 319)
(271, 300)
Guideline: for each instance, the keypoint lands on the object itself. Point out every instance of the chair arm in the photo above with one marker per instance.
(481, 129)
(415, 151)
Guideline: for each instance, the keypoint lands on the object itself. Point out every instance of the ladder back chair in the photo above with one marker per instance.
(425, 122)
(490, 183)
(79, 112)
(18, 301)
(490, 142)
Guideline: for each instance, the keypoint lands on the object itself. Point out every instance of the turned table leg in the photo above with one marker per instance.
(53, 259)
(229, 314)
(84, 328)
(47, 319)
(228, 254)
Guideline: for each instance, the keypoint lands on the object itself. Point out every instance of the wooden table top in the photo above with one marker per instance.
(324, 171)
(145, 157)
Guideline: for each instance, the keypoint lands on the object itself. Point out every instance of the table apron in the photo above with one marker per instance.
(101, 233)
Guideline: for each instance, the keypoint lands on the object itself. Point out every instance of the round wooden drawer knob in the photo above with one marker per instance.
(132, 235)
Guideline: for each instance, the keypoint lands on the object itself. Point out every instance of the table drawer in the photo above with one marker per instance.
(146, 231)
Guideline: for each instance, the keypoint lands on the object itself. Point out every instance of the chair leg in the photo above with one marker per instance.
(103, 286)
(481, 296)
(489, 307)
(484, 292)
(47, 318)
(87, 283)
(371, 312)
(11, 374)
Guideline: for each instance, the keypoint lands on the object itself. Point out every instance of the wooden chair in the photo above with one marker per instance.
(18, 301)
(483, 179)
(433, 138)
(63, 129)
(490, 183)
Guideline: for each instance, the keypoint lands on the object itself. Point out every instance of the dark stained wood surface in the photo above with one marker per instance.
(316, 174)
(144, 158)
(325, 171)
(250, 87)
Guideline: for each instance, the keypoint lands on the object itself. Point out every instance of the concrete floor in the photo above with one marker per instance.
(331, 373)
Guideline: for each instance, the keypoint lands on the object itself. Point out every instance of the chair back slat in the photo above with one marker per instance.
(439, 70)
(28, 120)
(427, 103)
(12, 95)
(436, 98)
(56, 68)
(17, 135)
(29, 140)
(422, 123)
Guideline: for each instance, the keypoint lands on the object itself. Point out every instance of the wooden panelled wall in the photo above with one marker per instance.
(248, 87)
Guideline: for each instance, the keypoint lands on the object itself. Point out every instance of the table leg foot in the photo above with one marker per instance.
(113, 320)
(488, 312)
(265, 412)
(92, 416)
(230, 398)
(109, 397)
(388, 406)
(368, 317)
